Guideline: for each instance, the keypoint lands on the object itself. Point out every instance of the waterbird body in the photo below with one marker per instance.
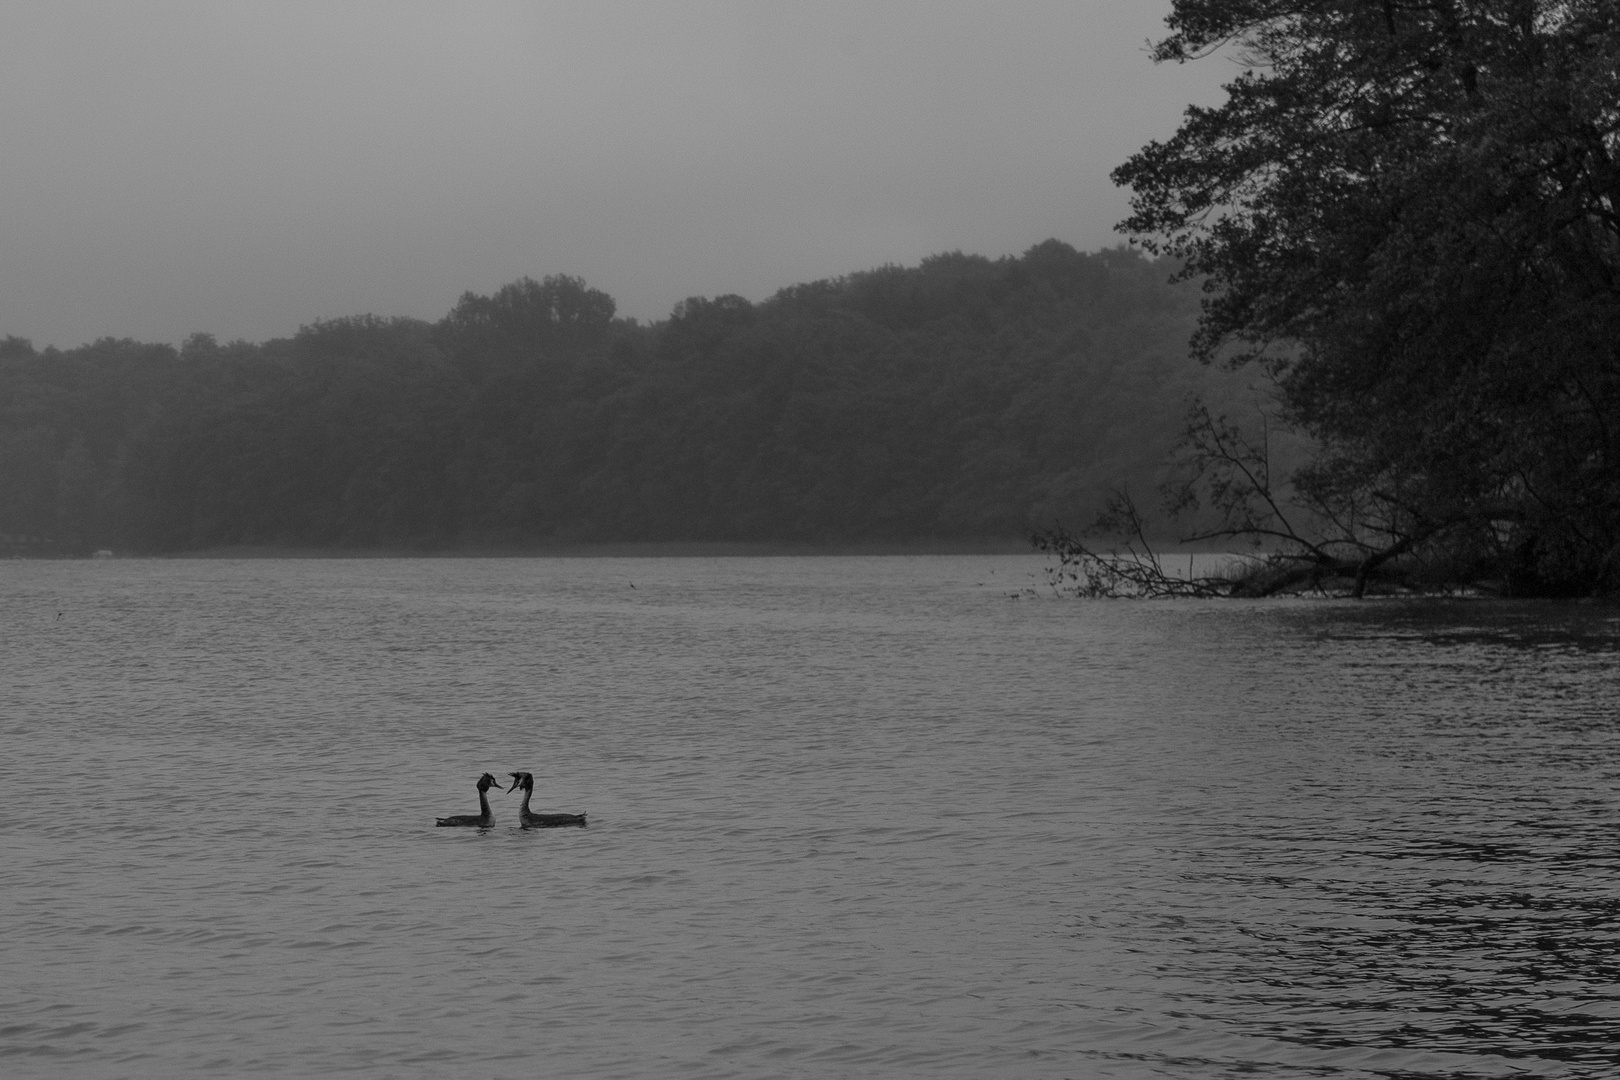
(484, 817)
(530, 819)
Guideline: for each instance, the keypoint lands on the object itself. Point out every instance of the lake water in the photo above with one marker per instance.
(849, 817)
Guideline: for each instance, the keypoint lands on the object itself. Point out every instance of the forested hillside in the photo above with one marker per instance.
(965, 398)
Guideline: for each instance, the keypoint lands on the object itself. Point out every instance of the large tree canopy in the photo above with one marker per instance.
(1409, 212)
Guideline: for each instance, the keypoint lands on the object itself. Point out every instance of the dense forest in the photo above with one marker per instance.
(962, 399)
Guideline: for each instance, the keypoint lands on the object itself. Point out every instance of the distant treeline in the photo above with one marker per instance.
(965, 398)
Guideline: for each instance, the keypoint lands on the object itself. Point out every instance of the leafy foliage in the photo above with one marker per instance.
(964, 398)
(1408, 215)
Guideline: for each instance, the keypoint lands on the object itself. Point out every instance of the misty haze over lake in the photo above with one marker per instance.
(356, 360)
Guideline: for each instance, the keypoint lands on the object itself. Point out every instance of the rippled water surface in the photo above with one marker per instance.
(886, 817)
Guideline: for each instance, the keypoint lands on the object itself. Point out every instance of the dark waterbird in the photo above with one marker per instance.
(532, 820)
(483, 817)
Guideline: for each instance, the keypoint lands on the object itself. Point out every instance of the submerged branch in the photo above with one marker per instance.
(1132, 568)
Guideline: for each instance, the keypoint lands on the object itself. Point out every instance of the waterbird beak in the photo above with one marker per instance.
(516, 778)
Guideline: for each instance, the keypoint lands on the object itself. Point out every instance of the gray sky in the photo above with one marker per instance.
(244, 168)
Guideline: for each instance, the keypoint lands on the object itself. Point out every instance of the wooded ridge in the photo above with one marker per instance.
(962, 398)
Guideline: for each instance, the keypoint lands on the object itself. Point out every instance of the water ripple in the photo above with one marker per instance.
(847, 817)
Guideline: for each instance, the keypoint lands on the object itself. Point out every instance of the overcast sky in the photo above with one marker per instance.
(245, 168)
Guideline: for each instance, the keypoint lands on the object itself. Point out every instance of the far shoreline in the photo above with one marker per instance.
(643, 549)
(580, 549)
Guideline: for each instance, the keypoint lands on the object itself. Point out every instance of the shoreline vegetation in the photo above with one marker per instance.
(640, 549)
(1116, 573)
(1355, 337)
(896, 409)
(547, 548)
(1404, 220)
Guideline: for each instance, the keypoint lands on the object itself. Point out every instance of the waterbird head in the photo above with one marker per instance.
(487, 781)
(517, 778)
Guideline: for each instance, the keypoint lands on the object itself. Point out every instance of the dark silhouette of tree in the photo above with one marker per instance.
(1408, 217)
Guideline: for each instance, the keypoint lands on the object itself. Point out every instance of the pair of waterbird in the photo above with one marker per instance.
(530, 819)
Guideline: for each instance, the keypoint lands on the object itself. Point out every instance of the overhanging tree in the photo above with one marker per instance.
(1407, 213)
